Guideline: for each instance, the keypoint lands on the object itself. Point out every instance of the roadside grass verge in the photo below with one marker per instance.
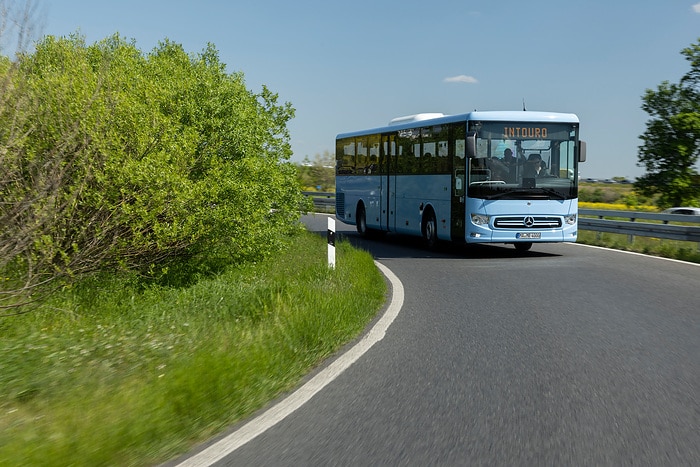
(674, 249)
(684, 251)
(117, 372)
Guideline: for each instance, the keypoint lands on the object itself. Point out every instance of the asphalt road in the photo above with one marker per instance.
(564, 355)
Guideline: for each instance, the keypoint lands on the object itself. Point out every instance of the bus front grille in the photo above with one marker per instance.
(530, 222)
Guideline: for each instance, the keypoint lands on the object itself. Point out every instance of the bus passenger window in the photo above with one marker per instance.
(362, 156)
(373, 162)
(345, 156)
(460, 149)
(428, 159)
(407, 159)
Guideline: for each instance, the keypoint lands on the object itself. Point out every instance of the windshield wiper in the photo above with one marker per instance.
(528, 191)
(509, 192)
(553, 192)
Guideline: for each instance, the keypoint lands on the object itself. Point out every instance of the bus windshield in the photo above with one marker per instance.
(517, 160)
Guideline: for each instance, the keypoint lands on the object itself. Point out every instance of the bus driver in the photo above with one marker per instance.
(506, 168)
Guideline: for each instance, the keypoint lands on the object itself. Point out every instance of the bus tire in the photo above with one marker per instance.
(429, 229)
(523, 246)
(361, 220)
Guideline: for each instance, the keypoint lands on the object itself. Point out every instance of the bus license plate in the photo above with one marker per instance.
(529, 235)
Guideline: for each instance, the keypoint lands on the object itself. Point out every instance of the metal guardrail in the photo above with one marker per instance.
(598, 220)
(323, 201)
(610, 221)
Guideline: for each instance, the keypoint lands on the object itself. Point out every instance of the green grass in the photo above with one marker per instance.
(684, 251)
(612, 199)
(115, 372)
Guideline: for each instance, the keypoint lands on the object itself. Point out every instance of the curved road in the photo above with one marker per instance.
(565, 355)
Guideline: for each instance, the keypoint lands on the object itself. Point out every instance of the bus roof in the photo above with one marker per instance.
(419, 121)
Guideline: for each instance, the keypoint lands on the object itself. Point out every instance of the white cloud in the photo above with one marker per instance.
(696, 8)
(461, 79)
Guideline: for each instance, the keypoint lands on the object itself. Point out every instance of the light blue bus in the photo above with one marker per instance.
(479, 177)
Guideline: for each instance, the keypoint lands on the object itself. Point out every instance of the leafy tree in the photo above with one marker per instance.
(672, 138)
(112, 158)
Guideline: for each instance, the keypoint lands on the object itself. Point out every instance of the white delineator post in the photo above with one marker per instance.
(331, 243)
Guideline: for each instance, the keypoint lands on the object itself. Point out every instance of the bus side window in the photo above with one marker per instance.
(435, 156)
(482, 148)
(459, 133)
(460, 149)
(361, 156)
(414, 161)
(345, 156)
(373, 162)
(459, 182)
(443, 135)
(405, 153)
(393, 156)
(428, 158)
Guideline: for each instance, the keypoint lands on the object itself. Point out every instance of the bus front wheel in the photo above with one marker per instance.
(523, 246)
(361, 220)
(430, 229)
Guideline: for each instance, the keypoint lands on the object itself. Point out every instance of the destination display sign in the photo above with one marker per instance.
(516, 132)
(524, 131)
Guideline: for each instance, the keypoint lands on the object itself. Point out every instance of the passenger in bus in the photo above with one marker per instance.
(533, 167)
(372, 167)
(508, 158)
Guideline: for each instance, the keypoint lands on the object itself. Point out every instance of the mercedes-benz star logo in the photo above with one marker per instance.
(529, 221)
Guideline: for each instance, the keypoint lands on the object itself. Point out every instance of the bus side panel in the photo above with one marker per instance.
(388, 200)
(373, 200)
(355, 189)
(415, 193)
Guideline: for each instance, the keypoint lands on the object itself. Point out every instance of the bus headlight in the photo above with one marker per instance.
(570, 219)
(480, 219)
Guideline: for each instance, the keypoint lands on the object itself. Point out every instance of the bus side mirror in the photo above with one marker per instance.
(471, 144)
(582, 151)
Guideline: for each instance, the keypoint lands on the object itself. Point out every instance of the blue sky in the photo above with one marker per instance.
(357, 64)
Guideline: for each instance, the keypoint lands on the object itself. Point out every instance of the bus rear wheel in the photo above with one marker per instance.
(523, 246)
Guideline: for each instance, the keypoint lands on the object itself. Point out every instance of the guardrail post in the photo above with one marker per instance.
(331, 243)
(322, 201)
(630, 237)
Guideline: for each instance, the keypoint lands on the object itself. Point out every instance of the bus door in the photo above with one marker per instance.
(388, 190)
(459, 184)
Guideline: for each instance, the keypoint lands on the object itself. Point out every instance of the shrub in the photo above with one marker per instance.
(113, 158)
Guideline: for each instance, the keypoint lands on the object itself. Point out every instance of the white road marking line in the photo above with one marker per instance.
(635, 253)
(277, 413)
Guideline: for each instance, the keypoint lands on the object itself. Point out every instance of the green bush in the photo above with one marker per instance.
(115, 158)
